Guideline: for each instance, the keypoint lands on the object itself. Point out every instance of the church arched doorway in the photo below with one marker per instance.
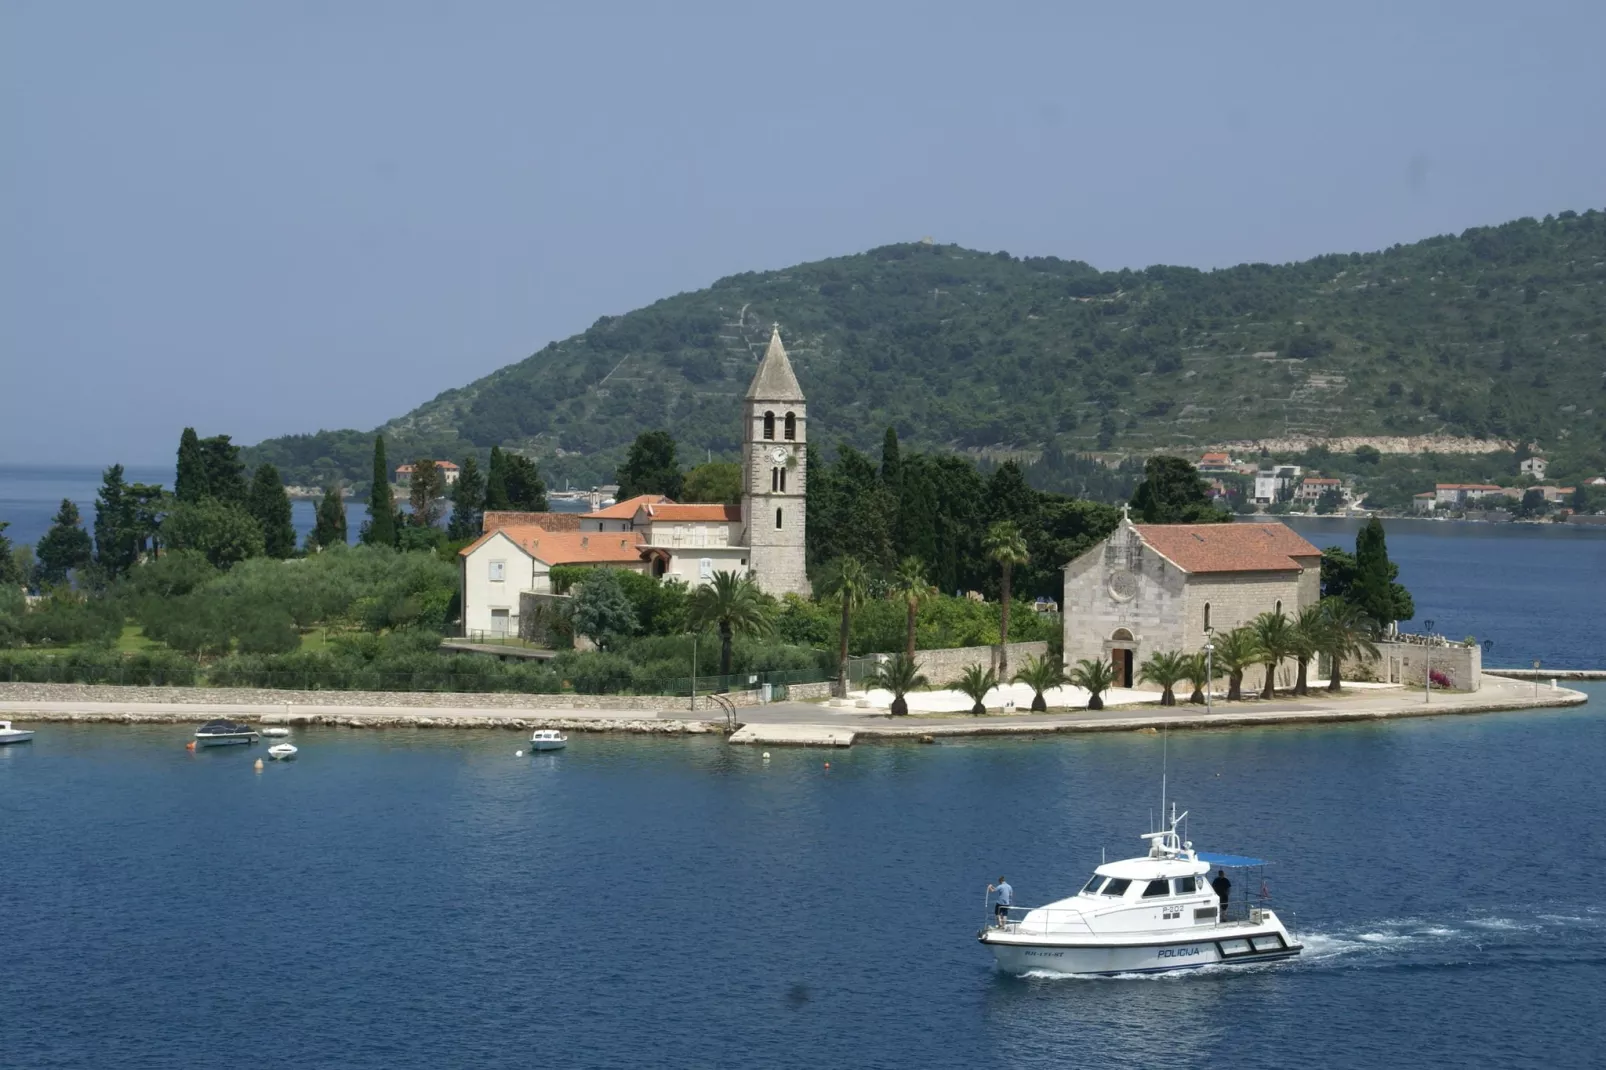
(1122, 656)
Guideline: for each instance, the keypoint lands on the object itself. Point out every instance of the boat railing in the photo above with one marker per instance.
(1054, 921)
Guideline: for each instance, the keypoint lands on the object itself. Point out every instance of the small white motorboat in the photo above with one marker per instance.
(548, 739)
(13, 735)
(275, 733)
(282, 752)
(1152, 914)
(222, 733)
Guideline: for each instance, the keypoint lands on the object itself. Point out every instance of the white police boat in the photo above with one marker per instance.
(1151, 914)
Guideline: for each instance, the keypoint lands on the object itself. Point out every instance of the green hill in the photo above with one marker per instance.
(1499, 332)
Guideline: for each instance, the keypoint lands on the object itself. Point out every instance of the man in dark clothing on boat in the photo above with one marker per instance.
(1223, 887)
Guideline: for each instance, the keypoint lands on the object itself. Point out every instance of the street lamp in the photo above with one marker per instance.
(1427, 672)
(1210, 672)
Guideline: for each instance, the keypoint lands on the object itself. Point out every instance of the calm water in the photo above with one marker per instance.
(1537, 590)
(418, 899)
(30, 496)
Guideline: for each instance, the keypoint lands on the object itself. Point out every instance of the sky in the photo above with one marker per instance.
(266, 218)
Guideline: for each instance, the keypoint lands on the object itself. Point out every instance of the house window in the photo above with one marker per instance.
(1207, 616)
(705, 568)
(769, 425)
(791, 426)
(498, 571)
(775, 479)
(777, 519)
(783, 477)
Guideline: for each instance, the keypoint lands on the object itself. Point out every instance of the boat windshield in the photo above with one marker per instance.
(1117, 886)
(1092, 885)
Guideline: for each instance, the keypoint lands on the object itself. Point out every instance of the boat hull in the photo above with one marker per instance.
(226, 741)
(16, 735)
(549, 745)
(1237, 946)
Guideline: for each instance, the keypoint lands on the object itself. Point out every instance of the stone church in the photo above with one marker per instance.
(508, 568)
(1158, 587)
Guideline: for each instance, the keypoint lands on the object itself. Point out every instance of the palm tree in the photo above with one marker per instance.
(1004, 544)
(1347, 633)
(1040, 674)
(847, 580)
(1274, 639)
(1097, 677)
(899, 675)
(976, 683)
(1235, 652)
(733, 602)
(1308, 637)
(909, 583)
(1165, 668)
(1195, 670)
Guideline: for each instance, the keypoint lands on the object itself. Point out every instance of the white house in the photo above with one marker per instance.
(1311, 488)
(1534, 466)
(501, 564)
(1270, 482)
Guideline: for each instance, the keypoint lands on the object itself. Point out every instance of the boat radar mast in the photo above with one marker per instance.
(1167, 843)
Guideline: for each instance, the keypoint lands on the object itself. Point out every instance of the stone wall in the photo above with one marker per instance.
(943, 667)
(1407, 663)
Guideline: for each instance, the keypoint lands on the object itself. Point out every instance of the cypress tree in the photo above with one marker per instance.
(116, 528)
(468, 502)
(64, 547)
(10, 570)
(330, 527)
(423, 492)
(270, 505)
(496, 482)
(526, 491)
(225, 472)
(189, 482)
(1374, 590)
(891, 464)
(651, 467)
(380, 530)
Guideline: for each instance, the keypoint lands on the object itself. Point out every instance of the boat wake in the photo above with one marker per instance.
(1415, 943)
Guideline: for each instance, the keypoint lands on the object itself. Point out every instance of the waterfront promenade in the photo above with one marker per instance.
(778, 723)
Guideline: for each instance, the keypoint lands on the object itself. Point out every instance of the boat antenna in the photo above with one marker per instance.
(1165, 754)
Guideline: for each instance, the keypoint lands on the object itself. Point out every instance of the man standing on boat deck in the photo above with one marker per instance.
(1223, 888)
(1006, 899)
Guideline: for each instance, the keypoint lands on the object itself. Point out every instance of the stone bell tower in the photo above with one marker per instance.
(774, 474)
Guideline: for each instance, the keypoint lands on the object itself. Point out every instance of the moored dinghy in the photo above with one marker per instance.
(275, 733)
(1151, 914)
(281, 752)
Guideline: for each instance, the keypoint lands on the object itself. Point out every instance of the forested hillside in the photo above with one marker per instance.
(1499, 332)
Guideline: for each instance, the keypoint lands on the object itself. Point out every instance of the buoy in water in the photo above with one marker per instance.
(766, 756)
(190, 745)
(518, 754)
(828, 765)
(259, 765)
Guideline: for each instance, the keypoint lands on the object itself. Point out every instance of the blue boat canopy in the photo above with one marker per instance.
(1229, 861)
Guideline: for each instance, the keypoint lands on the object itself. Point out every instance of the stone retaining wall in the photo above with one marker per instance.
(943, 667)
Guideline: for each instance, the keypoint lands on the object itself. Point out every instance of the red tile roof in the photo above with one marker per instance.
(568, 547)
(1229, 547)
(626, 509)
(704, 512)
(550, 521)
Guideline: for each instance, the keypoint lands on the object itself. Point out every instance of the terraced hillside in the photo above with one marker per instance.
(1496, 333)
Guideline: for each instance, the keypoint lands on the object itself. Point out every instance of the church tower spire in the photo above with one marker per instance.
(774, 473)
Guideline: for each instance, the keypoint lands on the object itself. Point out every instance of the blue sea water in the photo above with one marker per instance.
(427, 899)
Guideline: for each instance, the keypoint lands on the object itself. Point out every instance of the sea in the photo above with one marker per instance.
(1534, 591)
(426, 899)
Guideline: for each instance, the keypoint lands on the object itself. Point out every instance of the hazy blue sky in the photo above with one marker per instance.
(274, 217)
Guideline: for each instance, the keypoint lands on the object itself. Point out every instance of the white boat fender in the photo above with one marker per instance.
(518, 754)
